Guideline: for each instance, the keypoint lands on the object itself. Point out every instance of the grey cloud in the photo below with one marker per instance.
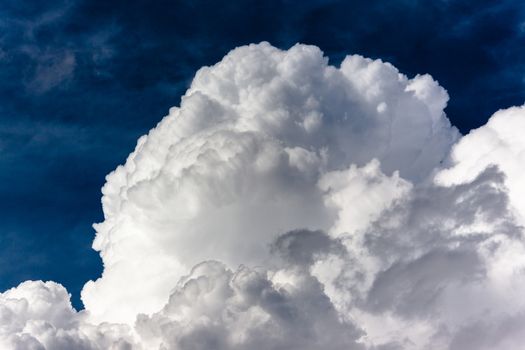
(412, 288)
(216, 308)
(304, 247)
(427, 219)
(507, 333)
(432, 254)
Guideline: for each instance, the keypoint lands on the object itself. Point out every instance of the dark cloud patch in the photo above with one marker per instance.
(272, 316)
(426, 220)
(303, 247)
(411, 288)
(429, 243)
(506, 334)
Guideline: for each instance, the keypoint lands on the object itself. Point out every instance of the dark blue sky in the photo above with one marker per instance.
(80, 81)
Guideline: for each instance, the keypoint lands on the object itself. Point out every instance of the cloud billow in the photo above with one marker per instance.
(291, 204)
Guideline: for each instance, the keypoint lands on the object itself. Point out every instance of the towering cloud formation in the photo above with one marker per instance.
(290, 204)
(240, 161)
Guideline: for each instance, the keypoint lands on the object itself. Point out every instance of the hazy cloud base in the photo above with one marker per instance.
(290, 204)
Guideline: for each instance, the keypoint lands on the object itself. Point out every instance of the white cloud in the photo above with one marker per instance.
(216, 308)
(500, 142)
(291, 204)
(240, 162)
(37, 315)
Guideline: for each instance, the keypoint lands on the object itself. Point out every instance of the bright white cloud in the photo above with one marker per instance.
(326, 185)
(241, 159)
(37, 315)
(500, 142)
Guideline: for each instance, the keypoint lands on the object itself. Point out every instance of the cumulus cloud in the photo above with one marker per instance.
(501, 143)
(434, 262)
(216, 308)
(241, 159)
(291, 204)
(37, 315)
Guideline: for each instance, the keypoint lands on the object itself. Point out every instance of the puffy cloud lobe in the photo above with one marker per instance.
(388, 242)
(359, 195)
(216, 308)
(37, 315)
(433, 262)
(500, 142)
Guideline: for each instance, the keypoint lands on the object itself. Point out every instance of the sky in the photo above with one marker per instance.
(82, 80)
